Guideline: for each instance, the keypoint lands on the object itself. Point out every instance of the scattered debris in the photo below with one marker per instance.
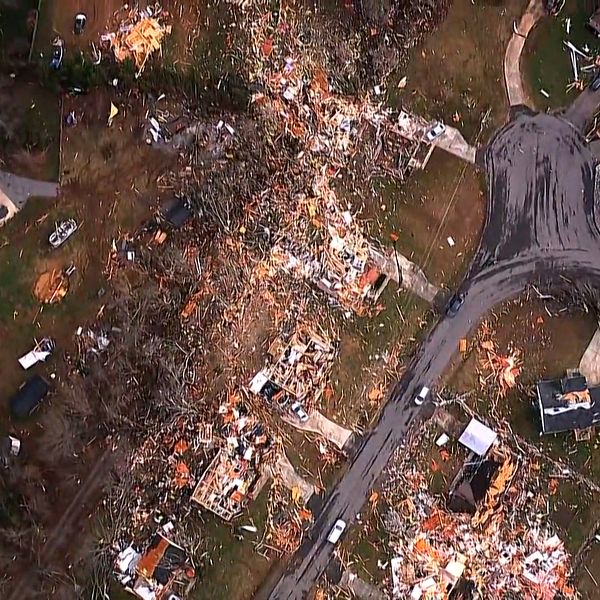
(140, 34)
(503, 370)
(161, 572)
(51, 286)
(230, 479)
(42, 350)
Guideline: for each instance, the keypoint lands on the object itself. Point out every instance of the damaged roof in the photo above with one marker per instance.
(567, 404)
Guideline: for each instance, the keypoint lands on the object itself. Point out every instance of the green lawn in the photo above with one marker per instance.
(547, 62)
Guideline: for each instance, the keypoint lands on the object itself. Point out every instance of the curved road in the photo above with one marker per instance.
(541, 225)
(483, 291)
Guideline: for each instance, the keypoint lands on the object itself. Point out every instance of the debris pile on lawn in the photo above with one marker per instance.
(342, 265)
(299, 371)
(502, 371)
(230, 480)
(317, 235)
(163, 472)
(506, 547)
(51, 286)
(286, 522)
(139, 34)
(163, 570)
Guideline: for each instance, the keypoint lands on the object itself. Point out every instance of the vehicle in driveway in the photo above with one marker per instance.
(58, 53)
(62, 232)
(299, 411)
(435, 132)
(422, 396)
(336, 531)
(455, 304)
(28, 396)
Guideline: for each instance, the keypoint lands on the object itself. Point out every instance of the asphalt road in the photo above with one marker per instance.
(540, 227)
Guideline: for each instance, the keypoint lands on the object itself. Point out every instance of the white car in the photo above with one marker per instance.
(336, 533)
(422, 396)
(299, 411)
(435, 132)
(62, 232)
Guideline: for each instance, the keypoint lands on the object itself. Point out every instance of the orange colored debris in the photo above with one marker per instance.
(181, 446)
(138, 41)
(267, 47)
(375, 394)
(182, 475)
(150, 560)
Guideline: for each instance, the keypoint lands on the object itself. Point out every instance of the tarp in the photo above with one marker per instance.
(478, 437)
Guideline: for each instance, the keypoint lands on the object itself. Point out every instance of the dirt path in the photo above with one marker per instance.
(512, 58)
(65, 530)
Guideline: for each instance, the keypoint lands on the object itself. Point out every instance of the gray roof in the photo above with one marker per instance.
(560, 413)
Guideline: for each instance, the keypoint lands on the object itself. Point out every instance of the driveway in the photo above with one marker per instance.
(514, 50)
(15, 191)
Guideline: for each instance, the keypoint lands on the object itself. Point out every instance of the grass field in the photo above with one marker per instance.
(546, 61)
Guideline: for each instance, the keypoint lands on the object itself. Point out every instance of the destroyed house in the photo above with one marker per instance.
(231, 478)
(299, 371)
(351, 275)
(568, 404)
(162, 573)
(224, 486)
(471, 485)
(344, 269)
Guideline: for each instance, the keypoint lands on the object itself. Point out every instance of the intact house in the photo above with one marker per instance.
(568, 404)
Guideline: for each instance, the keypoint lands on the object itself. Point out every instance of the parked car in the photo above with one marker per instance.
(435, 132)
(41, 352)
(79, 23)
(28, 396)
(336, 532)
(299, 411)
(455, 304)
(422, 396)
(595, 85)
(58, 53)
(62, 232)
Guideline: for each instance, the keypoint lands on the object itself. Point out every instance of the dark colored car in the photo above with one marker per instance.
(595, 85)
(79, 23)
(58, 53)
(454, 305)
(28, 396)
